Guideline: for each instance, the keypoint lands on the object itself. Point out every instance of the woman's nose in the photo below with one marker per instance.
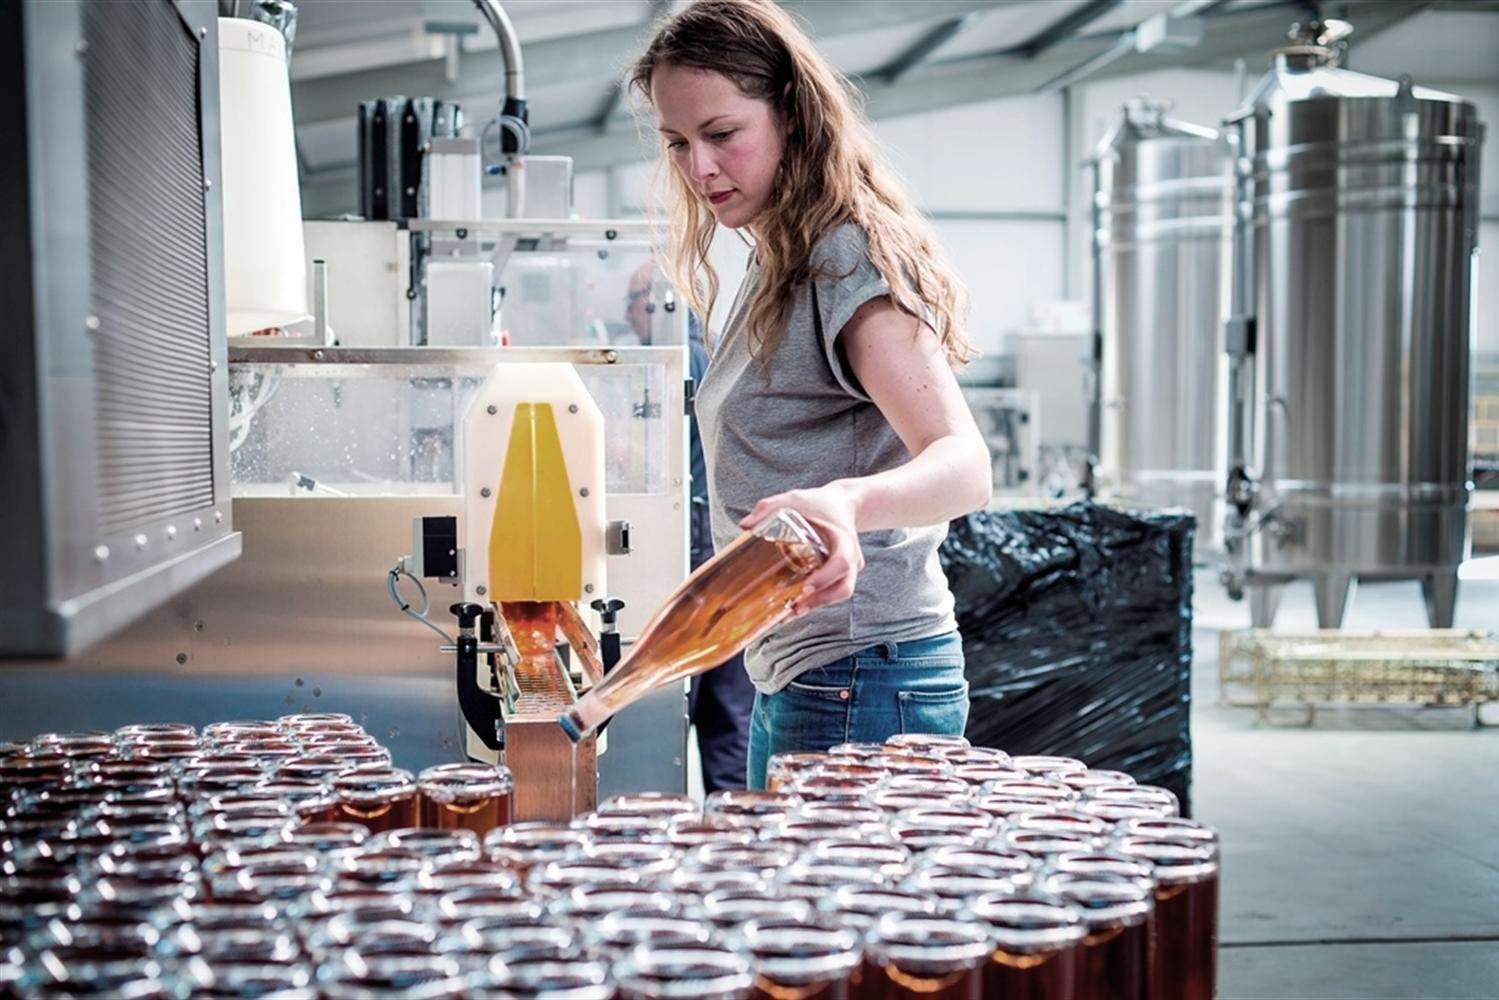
(704, 168)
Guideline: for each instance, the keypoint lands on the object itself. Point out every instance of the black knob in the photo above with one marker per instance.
(608, 609)
(467, 613)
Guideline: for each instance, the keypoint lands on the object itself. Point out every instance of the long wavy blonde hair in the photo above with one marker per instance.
(830, 173)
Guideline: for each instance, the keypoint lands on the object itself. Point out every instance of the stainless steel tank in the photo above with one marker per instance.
(1355, 234)
(1161, 202)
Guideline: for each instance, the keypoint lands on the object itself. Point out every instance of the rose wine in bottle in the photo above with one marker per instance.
(732, 599)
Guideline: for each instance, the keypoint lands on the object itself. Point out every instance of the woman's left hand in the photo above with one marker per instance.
(830, 509)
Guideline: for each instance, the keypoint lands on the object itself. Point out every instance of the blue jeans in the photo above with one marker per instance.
(888, 688)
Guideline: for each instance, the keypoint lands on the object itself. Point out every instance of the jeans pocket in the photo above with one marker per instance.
(826, 692)
(808, 717)
(942, 712)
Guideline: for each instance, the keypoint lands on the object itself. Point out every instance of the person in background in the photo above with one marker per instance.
(718, 702)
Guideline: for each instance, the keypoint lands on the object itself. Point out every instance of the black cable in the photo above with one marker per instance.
(392, 585)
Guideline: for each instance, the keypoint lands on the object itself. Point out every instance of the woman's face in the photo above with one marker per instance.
(727, 146)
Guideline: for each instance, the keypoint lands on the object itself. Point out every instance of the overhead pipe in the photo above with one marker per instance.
(513, 121)
(515, 73)
(1121, 48)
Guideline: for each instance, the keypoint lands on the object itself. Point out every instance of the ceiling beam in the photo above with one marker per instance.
(987, 79)
(1371, 32)
(1369, 18)
(1092, 65)
(1230, 33)
(609, 106)
(624, 141)
(1196, 8)
(1242, 33)
(616, 88)
(584, 56)
(1065, 27)
(924, 46)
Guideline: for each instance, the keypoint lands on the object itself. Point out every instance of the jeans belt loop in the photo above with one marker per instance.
(891, 649)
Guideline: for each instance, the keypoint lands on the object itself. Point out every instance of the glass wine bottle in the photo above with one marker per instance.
(732, 599)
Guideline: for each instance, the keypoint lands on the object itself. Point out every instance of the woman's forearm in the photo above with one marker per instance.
(950, 477)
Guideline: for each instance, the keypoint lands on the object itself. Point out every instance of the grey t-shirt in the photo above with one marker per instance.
(802, 422)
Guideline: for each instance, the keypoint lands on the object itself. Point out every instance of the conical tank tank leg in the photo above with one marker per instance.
(1331, 592)
(1264, 602)
(1440, 591)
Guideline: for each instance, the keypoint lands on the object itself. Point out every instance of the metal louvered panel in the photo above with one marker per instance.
(149, 257)
(114, 471)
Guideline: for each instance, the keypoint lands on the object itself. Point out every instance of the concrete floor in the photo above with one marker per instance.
(1360, 854)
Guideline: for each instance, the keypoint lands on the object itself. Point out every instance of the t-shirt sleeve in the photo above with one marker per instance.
(849, 279)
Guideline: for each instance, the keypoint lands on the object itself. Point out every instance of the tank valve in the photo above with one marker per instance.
(1233, 584)
(1241, 490)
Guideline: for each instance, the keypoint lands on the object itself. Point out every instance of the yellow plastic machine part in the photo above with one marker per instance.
(535, 543)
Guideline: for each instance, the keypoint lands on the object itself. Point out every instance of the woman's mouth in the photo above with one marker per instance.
(719, 197)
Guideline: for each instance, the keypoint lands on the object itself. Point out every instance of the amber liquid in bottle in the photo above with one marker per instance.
(896, 983)
(765, 989)
(1184, 962)
(1116, 962)
(478, 815)
(379, 816)
(730, 601)
(1043, 976)
(473, 797)
(1187, 939)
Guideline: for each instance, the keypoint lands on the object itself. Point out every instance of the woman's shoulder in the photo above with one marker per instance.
(840, 251)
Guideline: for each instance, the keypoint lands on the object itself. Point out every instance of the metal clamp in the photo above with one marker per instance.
(481, 709)
(1239, 336)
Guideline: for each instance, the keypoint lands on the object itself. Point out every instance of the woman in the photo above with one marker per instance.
(831, 389)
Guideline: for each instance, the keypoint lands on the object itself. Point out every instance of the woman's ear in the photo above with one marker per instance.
(788, 108)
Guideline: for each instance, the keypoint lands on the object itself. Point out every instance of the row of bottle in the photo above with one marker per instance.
(921, 867)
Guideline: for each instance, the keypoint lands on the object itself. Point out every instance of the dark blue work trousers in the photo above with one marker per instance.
(719, 703)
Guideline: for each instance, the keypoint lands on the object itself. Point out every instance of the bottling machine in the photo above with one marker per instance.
(546, 479)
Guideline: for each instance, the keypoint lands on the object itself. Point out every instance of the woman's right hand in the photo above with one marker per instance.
(831, 510)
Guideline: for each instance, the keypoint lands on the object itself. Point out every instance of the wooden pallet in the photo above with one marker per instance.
(1431, 668)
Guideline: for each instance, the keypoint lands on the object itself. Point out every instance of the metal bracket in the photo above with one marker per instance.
(323, 333)
(617, 538)
(1239, 335)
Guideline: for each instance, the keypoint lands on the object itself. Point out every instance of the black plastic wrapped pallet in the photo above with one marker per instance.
(1077, 629)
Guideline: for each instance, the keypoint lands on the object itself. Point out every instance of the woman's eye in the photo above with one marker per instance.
(721, 136)
(675, 144)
